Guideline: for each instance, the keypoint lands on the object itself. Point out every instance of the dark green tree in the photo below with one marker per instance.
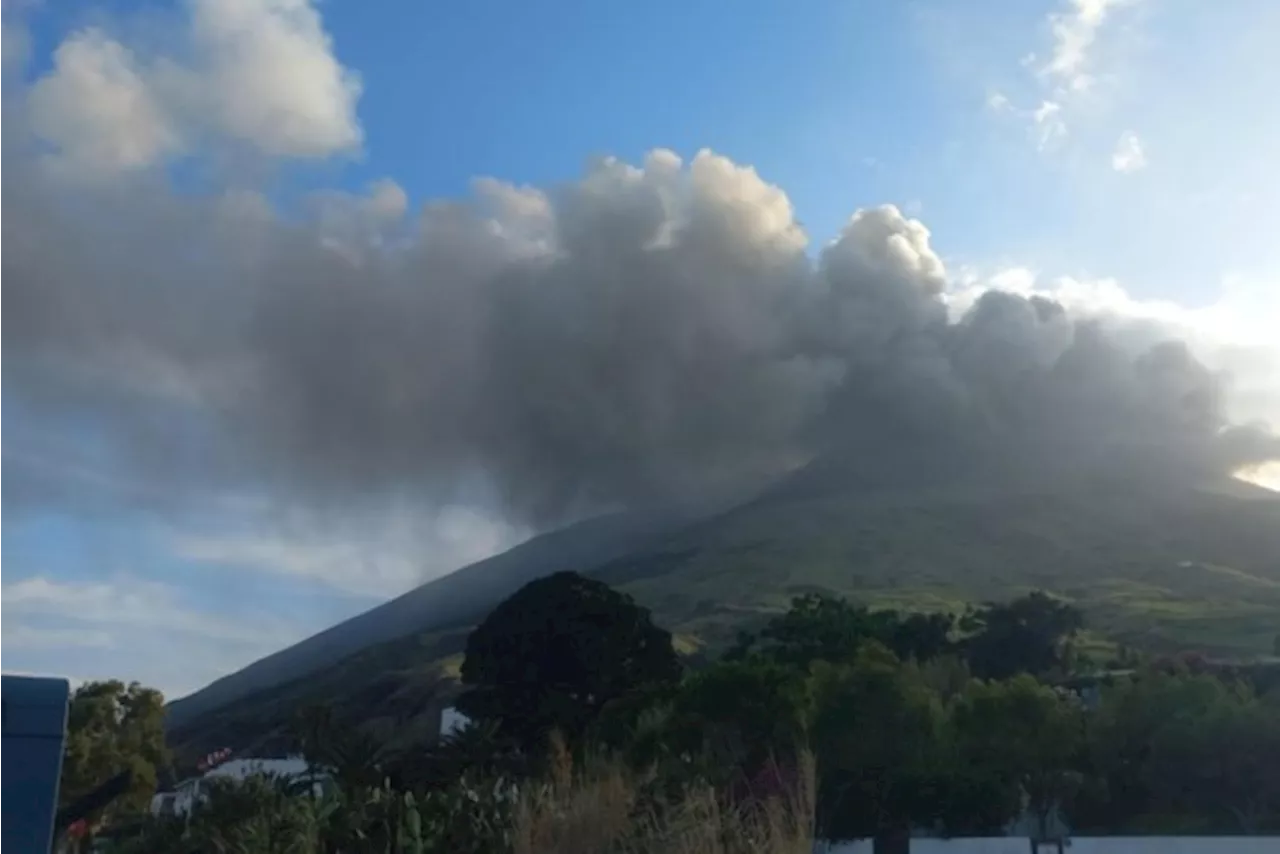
(1180, 752)
(477, 751)
(970, 801)
(552, 655)
(922, 637)
(353, 758)
(1236, 747)
(1126, 737)
(822, 627)
(1024, 734)
(1031, 634)
(875, 737)
(738, 715)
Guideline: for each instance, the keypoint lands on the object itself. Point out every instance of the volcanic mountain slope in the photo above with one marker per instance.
(454, 600)
(1155, 561)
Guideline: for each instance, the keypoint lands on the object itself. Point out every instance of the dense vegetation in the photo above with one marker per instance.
(113, 729)
(831, 721)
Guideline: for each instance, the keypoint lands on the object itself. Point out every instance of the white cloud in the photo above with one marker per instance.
(1074, 33)
(1233, 333)
(1128, 156)
(23, 636)
(1267, 475)
(132, 603)
(1045, 123)
(130, 629)
(379, 562)
(99, 110)
(386, 200)
(345, 566)
(350, 224)
(1064, 80)
(1245, 312)
(268, 73)
(1049, 126)
(257, 73)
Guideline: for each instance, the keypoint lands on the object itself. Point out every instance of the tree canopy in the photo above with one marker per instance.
(559, 649)
(834, 720)
(822, 627)
(875, 730)
(1031, 634)
(111, 728)
(1024, 734)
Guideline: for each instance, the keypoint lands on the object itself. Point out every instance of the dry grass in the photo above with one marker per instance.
(599, 809)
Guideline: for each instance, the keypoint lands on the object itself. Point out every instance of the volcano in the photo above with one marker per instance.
(1158, 559)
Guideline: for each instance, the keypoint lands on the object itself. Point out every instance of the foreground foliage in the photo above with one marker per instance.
(111, 728)
(832, 722)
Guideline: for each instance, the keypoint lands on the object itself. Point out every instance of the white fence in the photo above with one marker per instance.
(1079, 845)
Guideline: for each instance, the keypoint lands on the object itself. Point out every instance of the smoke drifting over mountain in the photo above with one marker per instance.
(640, 335)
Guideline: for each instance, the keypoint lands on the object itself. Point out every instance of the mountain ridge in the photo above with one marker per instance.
(440, 602)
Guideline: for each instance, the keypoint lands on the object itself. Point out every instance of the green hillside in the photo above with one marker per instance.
(1153, 566)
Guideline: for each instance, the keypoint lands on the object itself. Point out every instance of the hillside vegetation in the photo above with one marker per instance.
(1152, 568)
(832, 722)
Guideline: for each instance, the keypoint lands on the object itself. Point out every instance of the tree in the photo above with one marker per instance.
(553, 654)
(1239, 746)
(1135, 738)
(738, 715)
(638, 726)
(260, 814)
(112, 728)
(874, 734)
(922, 637)
(1031, 634)
(970, 801)
(821, 627)
(353, 758)
(1176, 751)
(476, 751)
(1024, 733)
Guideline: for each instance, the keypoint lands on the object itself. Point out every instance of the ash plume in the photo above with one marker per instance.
(638, 336)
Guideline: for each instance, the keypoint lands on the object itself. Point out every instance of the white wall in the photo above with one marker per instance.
(1079, 845)
(860, 846)
(189, 791)
(183, 797)
(1174, 845)
(452, 720)
(996, 845)
(240, 769)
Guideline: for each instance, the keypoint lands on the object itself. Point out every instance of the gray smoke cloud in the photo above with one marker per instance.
(638, 336)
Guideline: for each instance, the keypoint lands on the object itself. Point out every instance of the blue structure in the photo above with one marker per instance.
(35, 727)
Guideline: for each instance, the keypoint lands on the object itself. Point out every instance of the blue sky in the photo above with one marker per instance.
(1119, 151)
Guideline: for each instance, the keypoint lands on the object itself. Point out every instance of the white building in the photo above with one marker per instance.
(186, 794)
(452, 720)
